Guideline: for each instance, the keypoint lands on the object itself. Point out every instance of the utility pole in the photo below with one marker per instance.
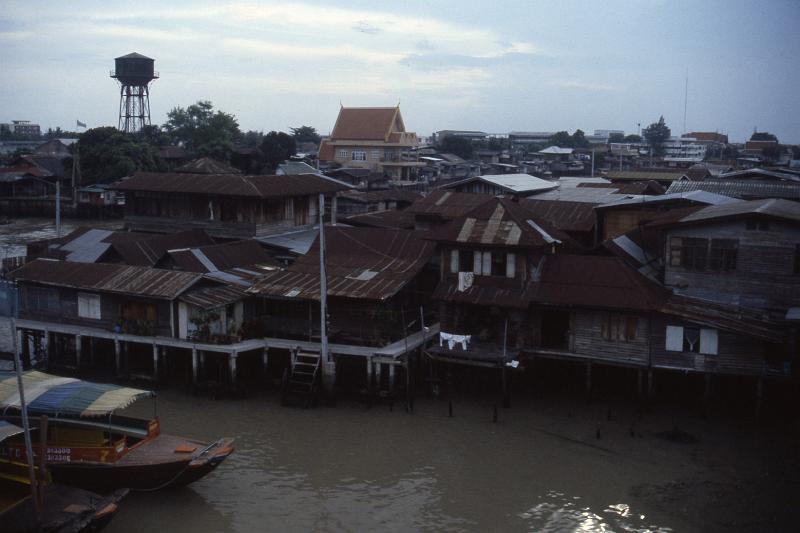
(324, 356)
(58, 208)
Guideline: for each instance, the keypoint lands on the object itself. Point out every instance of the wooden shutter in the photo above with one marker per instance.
(674, 338)
(487, 263)
(477, 263)
(454, 260)
(511, 264)
(708, 341)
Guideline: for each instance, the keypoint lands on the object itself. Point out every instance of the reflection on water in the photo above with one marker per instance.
(20, 231)
(558, 512)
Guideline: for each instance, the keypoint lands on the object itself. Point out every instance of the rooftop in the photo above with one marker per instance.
(366, 123)
(513, 183)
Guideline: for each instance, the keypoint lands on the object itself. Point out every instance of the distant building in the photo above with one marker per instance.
(707, 137)
(374, 138)
(464, 134)
(22, 127)
(684, 150)
(526, 138)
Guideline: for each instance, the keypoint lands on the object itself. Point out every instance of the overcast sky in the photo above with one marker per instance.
(491, 66)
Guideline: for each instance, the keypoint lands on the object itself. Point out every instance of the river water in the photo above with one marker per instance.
(542, 467)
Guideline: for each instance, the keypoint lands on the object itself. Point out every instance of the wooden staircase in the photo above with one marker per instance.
(303, 378)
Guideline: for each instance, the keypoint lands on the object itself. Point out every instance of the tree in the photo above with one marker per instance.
(276, 148)
(763, 136)
(202, 131)
(616, 138)
(456, 145)
(251, 139)
(561, 139)
(656, 135)
(633, 138)
(305, 134)
(579, 139)
(107, 154)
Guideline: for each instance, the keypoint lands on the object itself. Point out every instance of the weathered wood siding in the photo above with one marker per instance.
(736, 354)
(588, 340)
(763, 277)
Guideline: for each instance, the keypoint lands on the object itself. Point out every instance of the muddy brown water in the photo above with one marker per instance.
(542, 467)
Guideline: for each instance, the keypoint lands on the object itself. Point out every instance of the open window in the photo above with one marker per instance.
(692, 340)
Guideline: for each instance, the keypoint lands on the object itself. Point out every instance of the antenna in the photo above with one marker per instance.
(685, 99)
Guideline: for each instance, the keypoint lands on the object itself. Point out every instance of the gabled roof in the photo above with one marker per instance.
(694, 197)
(383, 219)
(499, 222)
(206, 165)
(218, 257)
(447, 205)
(133, 55)
(743, 189)
(236, 185)
(512, 183)
(555, 150)
(759, 173)
(148, 251)
(363, 263)
(772, 207)
(385, 195)
(294, 168)
(566, 216)
(104, 277)
(366, 123)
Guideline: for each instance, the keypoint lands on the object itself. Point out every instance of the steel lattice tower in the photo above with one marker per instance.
(134, 72)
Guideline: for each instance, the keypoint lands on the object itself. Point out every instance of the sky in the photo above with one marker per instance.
(534, 65)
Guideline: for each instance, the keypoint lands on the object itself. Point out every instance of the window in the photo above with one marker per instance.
(342, 153)
(757, 224)
(619, 327)
(692, 340)
(359, 155)
(723, 254)
(689, 253)
(89, 305)
(498, 263)
(465, 260)
(375, 154)
(40, 299)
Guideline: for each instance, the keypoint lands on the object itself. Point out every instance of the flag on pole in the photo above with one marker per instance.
(80, 124)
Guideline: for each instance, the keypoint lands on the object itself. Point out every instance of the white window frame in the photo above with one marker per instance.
(343, 153)
(362, 155)
(89, 306)
(709, 340)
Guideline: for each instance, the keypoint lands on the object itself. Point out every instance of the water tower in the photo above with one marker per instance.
(134, 72)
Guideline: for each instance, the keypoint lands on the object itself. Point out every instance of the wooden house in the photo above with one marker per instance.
(373, 138)
(442, 206)
(224, 205)
(357, 202)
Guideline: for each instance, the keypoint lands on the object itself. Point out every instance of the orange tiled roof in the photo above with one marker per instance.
(364, 123)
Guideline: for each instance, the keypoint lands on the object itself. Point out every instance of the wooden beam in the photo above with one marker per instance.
(78, 352)
(232, 365)
(194, 365)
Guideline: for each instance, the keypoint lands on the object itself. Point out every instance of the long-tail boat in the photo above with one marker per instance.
(61, 509)
(91, 447)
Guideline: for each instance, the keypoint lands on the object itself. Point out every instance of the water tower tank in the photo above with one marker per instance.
(134, 72)
(134, 69)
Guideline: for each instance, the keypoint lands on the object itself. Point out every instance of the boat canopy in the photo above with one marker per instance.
(54, 395)
(8, 429)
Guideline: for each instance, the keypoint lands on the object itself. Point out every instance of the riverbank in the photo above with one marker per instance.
(551, 463)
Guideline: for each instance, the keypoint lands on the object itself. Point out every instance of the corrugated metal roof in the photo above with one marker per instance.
(364, 263)
(772, 207)
(87, 247)
(744, 189)
(566, 216)
(148, 251)
(513, 183)
(383, 219)
(102, 277)
(701, 197)
(447, 205)
(221, 256)
(499, 222)
(257, 186)
(206, 165)
(213, 297)
(388, 195)
(644, 175)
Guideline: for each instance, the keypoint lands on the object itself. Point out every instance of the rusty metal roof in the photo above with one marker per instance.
(447, 205)
(365, 123)
(744, 189)
(566, 216)
(207, 165)
(102, 277)
(487, 291)
(148, 251)
(208, 298)
(499, 222)
(770, 207)
(364, 263)
(257, 186)
(383, 219)
(387, 195)
(224, 256)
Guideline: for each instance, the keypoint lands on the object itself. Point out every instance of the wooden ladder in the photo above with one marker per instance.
(302, 379)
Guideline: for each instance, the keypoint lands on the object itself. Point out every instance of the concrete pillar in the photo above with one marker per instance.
(155, 362)
(48, 352)
(391, 378)
(232, 364)
(78, 351)
(334, 210)
(20, 341)
(369, 373)
(378, 369)
(117, 358)
(265, 360)
(195, 362)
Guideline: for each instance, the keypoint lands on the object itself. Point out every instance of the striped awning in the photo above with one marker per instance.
(55, 395)
(8, 430)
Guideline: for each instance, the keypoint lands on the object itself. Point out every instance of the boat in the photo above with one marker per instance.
(63, 509)
(91, 447)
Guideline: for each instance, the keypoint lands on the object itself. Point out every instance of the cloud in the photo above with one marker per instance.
(581, 84)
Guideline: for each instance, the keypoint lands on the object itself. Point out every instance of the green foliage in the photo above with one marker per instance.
(251, 139)
(763, 136)
(305, 134)
(456, 145)
(202, 131)
(108, 154)
(579, 139)
(276, 148)
(562, 139)
(633, 138)
(616, 138)
(656, 135)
